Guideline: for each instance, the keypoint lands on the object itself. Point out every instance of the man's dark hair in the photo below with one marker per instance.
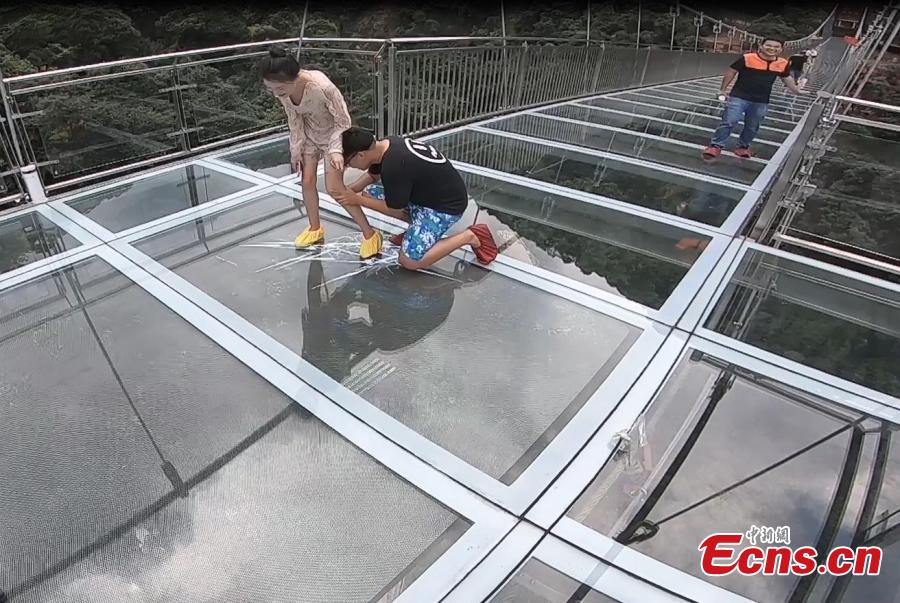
(279, 66)
(771, 39)
(356, 140)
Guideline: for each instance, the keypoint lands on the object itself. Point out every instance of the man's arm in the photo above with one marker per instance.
(727, 79)
(362, 182)
(349, 198)
(791, 85)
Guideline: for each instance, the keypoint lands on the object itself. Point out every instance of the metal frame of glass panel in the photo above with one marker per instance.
(221, 160)
(780, 118)
(778, 127)
(86, 239)
(527, 542)
(712, 298)
(662, 139)
(550, 509)
(679, 124)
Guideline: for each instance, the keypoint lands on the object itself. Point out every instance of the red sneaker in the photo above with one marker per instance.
(397, 239)
(743, 152)
(487, 251)
(711, 152)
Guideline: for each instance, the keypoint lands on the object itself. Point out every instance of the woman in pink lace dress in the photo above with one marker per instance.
(317, 116)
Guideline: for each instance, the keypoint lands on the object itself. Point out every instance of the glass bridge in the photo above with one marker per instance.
(194, 411)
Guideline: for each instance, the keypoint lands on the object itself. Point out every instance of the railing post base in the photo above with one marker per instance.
(33, 185)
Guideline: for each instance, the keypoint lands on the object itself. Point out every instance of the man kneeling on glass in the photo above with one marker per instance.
(749, 99)
(421, 187)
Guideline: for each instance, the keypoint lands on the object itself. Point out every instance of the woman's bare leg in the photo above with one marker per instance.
(334, 184)
(309, 185)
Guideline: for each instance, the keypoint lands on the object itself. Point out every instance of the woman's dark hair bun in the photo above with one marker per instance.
(280, 64)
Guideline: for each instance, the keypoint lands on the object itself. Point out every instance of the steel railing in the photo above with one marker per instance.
(93, 122)
(796, 183)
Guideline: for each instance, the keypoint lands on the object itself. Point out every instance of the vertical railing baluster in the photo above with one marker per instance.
(378, 65)
(392, 90)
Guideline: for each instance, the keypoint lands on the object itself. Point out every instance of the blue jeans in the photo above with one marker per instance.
(735, 109)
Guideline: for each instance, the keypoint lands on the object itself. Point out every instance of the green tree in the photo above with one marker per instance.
(53, 36)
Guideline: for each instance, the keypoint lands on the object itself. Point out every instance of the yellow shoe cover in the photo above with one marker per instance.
(308, 238)
(372, 246)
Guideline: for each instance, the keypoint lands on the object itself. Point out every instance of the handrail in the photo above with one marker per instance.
(306, 40)
(867, 103)
(137, 60)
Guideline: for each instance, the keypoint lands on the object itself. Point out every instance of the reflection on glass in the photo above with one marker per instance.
(140, 460)
(636, 258)
(31, 237)
(728, 167)
(537, 582)
(638, 123)
(722, 449)
(855, 203)
(154, 197)
(841, 326)
(487, 367)
(669, 193)
(273, 159)
(711, 122)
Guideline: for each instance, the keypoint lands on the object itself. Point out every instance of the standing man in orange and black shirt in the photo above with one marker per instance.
(749, 99)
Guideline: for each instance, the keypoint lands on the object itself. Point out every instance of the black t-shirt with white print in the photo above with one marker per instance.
(415, 172)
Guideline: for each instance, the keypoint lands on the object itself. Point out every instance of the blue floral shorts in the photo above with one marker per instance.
(375, 190)
(426, 228)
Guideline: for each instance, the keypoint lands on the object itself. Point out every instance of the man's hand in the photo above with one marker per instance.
(337, 161)
(348, 198)
(297, 165)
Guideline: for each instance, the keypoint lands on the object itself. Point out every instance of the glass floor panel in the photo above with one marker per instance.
(855, 202)
(779, 91)
(142, 201)
(728, 167)
(703, 201)
(721, 449)
(272, 159)
(482, 365)
(789, 102)
(842, 326)
(636, 258)
(773, 119)
(31, 237)
(776, 104)
(537, 582)
(637, 123)
(642, 107)
(152, 465)
(774, 116)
